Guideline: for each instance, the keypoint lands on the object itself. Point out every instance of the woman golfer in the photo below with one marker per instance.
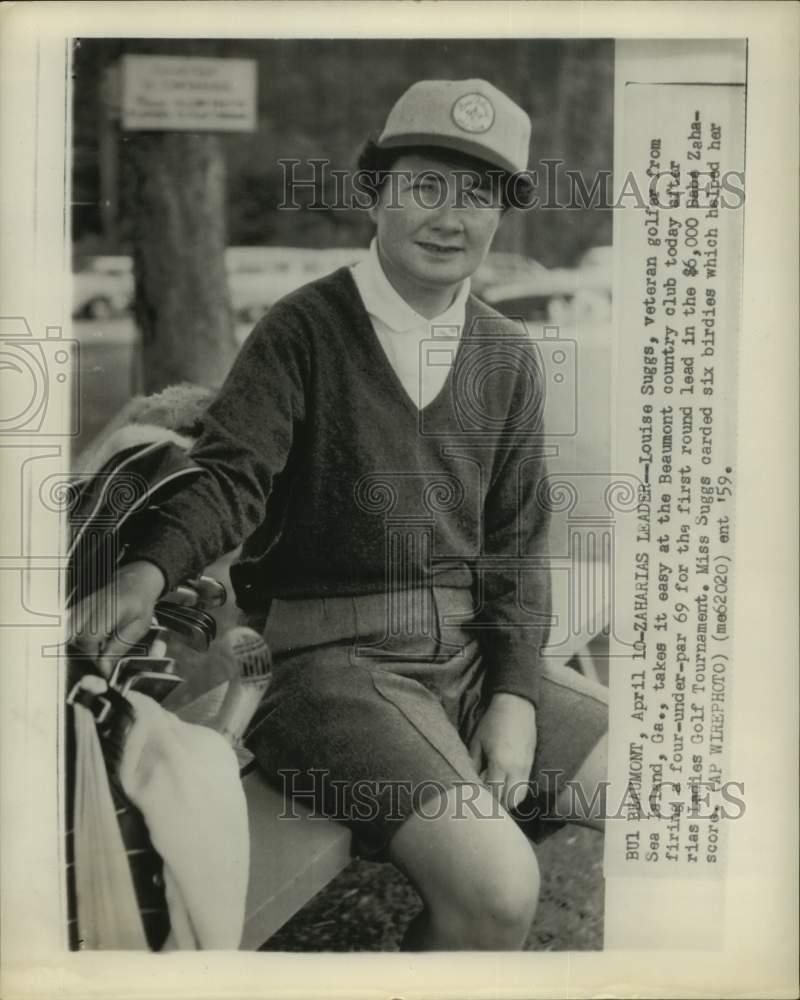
(377, 448)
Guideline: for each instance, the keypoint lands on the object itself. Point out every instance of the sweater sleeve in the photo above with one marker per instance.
(244, 444)
(515, 575)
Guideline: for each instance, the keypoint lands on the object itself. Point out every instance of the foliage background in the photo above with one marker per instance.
(322, 97)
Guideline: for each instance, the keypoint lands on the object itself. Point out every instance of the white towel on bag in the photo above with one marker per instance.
(185, 781)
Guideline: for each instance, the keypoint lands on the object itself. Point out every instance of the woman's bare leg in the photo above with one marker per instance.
(475, 871)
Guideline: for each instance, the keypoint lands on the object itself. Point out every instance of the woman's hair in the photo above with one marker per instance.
(375, 164)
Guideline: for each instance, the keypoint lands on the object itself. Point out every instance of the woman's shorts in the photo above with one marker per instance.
(373, 703)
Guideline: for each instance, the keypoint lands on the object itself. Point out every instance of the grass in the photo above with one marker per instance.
(368, 906)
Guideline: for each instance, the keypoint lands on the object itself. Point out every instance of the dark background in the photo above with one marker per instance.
(321, 98)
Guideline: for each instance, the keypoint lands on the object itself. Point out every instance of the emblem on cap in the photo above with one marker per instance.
(473, 113)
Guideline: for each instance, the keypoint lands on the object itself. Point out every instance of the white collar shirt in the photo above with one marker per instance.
(402, 331)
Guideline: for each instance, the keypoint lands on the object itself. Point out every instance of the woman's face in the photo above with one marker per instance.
(434, 228)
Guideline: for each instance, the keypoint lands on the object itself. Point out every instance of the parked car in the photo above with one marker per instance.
(562, 296)
(501, 268)
(102, 287)
(259, 276)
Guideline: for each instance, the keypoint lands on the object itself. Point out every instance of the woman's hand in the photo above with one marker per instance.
(503, 747)
(105, 624)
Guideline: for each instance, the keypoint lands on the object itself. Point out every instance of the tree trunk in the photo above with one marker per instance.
(182, 305)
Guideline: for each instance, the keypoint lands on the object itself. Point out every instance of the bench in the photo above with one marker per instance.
(292, 859)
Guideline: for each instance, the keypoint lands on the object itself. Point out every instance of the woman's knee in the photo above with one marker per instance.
(505, 892)
(493, 911)
(478, 876)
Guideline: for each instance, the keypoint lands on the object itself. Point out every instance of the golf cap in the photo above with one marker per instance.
(469, 116)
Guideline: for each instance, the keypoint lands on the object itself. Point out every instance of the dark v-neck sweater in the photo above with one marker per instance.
(320, 462)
